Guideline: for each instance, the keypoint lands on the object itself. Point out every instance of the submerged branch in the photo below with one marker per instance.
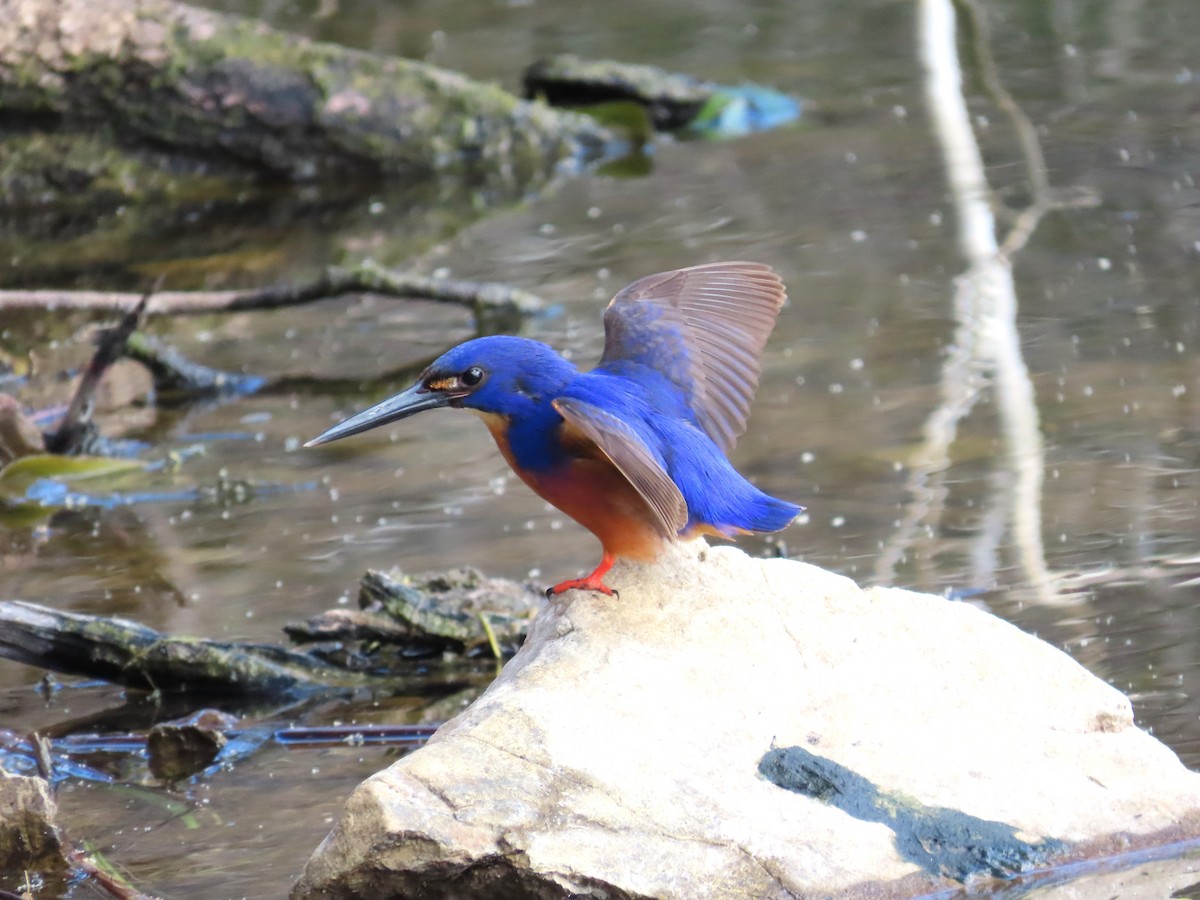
(77, 427)
(137, 656)
(334, 281)
(429, 614)
(174, 373)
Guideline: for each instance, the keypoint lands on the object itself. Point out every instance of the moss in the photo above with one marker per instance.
(168, 75)
(85, 169)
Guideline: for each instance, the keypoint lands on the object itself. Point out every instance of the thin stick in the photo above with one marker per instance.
(334, 281)
(72, 432)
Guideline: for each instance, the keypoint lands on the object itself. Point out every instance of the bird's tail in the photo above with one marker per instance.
(765, 513)
(719, 500)
(750, 511)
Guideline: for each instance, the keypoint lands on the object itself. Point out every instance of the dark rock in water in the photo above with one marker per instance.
(179, 750)
(29, 838)
(673, 102)
(566, 80)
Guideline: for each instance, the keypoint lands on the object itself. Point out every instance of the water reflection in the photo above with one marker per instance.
(987, 346)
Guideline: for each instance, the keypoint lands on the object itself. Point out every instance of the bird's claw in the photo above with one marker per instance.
(594, 582)
(582, 584)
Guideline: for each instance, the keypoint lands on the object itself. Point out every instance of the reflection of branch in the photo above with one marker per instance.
(986, 342)
(1043, 197)
(962, 381)
(1035, 162)
(333, 282)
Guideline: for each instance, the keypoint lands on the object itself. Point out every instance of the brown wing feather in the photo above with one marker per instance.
(704, 327)
(632, 458)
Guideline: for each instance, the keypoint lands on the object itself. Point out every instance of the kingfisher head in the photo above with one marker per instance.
(499, 375)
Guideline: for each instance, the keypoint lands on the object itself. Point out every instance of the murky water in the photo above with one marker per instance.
(893, 405)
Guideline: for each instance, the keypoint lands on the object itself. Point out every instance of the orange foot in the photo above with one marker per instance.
(593, 582)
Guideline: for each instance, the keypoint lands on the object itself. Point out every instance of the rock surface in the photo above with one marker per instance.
(732, 727)
(29, 838)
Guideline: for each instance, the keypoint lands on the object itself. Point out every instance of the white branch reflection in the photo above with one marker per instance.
(987, 346)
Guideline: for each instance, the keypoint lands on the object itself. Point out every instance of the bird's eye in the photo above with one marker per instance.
(472, 376)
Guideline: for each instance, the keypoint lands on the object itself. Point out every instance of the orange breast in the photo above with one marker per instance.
(597, 496)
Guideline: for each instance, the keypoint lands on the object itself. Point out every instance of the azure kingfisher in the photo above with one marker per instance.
(635, 449)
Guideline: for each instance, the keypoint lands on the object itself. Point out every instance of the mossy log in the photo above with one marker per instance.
(206, 85)
(460, 610)
(134, 655)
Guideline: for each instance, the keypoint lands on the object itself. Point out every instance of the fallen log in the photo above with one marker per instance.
(460, 610)
(211, 86)
(136, 656)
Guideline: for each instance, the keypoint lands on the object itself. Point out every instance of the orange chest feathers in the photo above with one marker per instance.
(590, 490)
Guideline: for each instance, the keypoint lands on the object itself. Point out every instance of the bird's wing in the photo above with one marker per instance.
(632, 458)
(704, 328)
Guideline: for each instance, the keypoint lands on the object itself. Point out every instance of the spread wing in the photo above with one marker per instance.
(704, 328)
(633, 459)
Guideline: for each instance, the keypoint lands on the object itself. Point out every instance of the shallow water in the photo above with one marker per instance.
(917, 460)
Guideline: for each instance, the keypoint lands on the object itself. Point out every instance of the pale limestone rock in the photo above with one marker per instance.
(669, 743)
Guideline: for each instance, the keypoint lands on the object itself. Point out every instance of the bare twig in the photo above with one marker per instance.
(989, 73)
(116, 886)
(76, 425)
(174, 373)
(482, 297)
(41, 754)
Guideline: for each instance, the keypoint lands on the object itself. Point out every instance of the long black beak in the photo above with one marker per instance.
(399, 406)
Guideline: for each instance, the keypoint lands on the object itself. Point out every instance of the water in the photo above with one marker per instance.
(917, 460)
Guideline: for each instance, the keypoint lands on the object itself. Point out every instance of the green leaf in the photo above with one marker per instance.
(19, 474)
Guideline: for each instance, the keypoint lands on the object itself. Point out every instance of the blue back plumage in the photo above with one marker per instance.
(715, 492)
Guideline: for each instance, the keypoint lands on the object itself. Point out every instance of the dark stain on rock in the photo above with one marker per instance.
(941, 841)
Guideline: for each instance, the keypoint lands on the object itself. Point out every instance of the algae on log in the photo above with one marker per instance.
(137, 656)
(217, 86)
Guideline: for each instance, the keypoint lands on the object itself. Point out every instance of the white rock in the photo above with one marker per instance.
(618, 753)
